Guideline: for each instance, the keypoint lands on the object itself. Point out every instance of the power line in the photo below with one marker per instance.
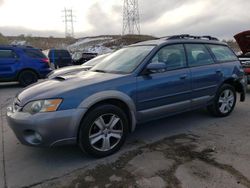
(131, 18)
(68, 19)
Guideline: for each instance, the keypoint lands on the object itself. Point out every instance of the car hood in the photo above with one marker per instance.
(243, 40)
(67, 70)
(60, 86)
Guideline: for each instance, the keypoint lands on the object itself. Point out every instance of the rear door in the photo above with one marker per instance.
(206, 74)
(8, 63)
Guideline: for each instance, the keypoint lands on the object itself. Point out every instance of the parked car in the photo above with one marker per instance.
(80, 58)
(141, 82)
(60, 58)
(243, 40)
(75, 69)
(24, 64)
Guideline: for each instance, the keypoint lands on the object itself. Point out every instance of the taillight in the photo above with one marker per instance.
(45, 60)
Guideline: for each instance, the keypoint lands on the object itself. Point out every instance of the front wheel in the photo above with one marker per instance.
(103, 131)
(224, 101)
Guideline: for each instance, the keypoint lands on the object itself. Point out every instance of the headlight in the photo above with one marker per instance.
(49, 105)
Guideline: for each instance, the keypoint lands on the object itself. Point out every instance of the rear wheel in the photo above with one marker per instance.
(27, 77)
(224, 102)
(103, 131)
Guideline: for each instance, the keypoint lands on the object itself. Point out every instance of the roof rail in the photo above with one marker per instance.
(187, 36)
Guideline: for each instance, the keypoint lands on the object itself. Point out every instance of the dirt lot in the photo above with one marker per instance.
(191, 150)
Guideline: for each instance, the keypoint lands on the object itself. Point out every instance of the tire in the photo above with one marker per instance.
(224, 101)
(27, 77)
(103, 131)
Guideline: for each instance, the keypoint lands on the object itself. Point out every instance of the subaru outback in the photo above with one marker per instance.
(145, 81)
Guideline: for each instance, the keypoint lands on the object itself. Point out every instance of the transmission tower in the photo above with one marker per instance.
(131, 18)
(68, 19)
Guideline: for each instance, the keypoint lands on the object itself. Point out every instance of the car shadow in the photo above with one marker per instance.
(10, 85)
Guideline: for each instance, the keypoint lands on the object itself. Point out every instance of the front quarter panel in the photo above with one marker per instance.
(112, 94)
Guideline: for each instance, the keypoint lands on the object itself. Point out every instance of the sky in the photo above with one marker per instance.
(220, 18)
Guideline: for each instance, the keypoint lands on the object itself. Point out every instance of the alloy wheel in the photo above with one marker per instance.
(106, 132)
(226, 101)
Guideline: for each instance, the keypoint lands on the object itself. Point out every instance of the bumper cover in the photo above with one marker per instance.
(46, 129)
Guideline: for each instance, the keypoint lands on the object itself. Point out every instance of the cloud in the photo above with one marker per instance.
(218, 18)
(160, 18)
(1, 2)
(103, 22)
(151, 10)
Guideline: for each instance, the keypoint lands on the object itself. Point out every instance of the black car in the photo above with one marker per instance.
(60, 58)
(79, 58)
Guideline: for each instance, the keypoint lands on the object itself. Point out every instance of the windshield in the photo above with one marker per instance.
(77, 56)
(95, 60)
(124, 60)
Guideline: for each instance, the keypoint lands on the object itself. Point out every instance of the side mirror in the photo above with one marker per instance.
(156, 67)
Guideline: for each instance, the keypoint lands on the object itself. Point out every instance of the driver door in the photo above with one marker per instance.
(163, 93)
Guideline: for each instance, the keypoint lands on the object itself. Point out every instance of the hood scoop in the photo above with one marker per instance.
(59, 78)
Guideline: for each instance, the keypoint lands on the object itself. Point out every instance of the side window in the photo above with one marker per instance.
(7, 54)
(34, 53)
(222, 53)
(198, 55)
(173, 56)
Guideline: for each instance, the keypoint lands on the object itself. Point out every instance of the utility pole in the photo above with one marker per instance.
(131, 18)
(68, 19)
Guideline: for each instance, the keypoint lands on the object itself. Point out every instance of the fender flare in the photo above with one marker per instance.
(111, 94)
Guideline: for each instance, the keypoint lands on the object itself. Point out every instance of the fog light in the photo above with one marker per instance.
(32, 137)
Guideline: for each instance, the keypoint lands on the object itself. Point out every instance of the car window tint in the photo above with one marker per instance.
(34, 53)
(7, 54)
(173, 56)
(198, 55)
(64, 53)
(222, 53)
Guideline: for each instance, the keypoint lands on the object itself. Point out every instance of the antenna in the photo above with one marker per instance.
(131, 18)
(68, 19)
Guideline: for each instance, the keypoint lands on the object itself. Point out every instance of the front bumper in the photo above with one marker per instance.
(46, 129)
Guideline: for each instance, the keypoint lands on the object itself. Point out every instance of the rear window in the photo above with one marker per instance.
(59, 53)
(198, 55)
(34, 53)
(222, 53)
(7, 54)
(64, 53)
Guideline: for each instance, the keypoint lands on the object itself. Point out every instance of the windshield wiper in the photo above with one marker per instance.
(99, 71)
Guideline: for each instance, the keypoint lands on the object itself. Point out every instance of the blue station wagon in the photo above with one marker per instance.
(145, 81)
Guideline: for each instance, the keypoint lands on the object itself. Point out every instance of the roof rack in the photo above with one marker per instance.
(187, 36)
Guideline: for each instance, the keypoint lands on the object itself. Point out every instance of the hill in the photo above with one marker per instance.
(97, 44)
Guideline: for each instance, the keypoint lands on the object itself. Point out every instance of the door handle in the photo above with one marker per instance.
(183, 77)
(219, 72)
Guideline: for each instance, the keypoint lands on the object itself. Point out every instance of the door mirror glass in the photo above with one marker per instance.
(156, 67)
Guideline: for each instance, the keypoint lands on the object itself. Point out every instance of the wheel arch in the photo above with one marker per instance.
(237, 85)
(116, 98)
(27, 69)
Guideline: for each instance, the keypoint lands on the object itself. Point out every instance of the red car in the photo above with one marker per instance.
(243, 40)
